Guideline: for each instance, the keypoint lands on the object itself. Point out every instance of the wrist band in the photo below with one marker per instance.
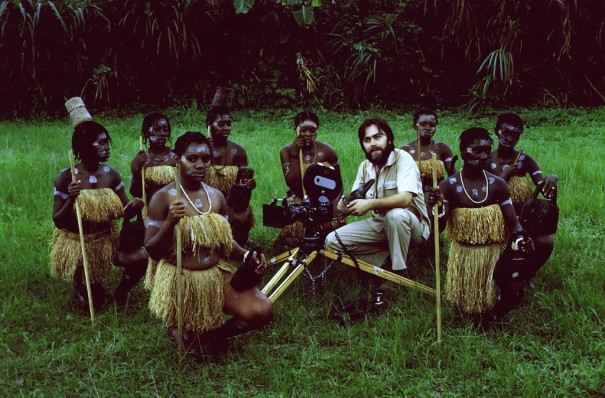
(246, 254)
(441, 213)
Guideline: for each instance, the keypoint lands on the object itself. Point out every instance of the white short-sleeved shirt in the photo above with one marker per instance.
(400, 174)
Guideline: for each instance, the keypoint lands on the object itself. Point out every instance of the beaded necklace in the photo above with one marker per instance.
(203, 213)
(469, 196)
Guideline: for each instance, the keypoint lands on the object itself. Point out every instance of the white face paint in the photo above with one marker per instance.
(153, 138)
(469, 150)
(92, 179)
(172, 192)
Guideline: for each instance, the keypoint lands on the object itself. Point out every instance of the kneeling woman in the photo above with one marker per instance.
(207, 246)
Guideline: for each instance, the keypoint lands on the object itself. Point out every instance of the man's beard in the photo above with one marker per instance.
(380, 160)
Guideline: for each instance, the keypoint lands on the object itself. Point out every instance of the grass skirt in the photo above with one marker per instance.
(221, 177)
(291, 235)
(160, 175)
(203, 296)
(477, 236)
(201, 232)
(99, 205)
(520, 189)
(469, 282)
(426, 169)
(149, 281)
(66, 254)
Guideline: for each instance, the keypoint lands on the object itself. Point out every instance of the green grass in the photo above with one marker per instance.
(553, 345)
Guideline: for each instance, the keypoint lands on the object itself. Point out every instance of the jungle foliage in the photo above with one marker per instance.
(285, 53)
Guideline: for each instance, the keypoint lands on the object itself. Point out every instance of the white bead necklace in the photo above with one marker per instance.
(478, 202)
(203, 213)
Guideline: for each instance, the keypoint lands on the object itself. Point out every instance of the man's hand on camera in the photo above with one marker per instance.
(359, 207)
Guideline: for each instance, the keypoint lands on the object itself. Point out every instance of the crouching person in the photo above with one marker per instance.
(207, 247)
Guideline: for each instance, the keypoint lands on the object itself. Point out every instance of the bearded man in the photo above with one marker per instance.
(396, 202)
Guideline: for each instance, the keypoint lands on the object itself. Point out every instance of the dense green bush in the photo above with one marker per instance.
(354, 53)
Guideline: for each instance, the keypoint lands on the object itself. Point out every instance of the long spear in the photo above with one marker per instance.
(300, 162)
(91, 307)
(179, 269)
(144, 193)
(437, 259)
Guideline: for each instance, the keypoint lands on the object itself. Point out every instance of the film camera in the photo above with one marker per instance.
(322, 185)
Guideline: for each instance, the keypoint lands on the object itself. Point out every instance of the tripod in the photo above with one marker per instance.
(300, 257)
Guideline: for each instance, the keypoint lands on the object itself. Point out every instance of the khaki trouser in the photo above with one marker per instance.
(374, 239)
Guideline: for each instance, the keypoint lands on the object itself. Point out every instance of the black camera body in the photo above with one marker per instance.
(280, 213)
(322, 185)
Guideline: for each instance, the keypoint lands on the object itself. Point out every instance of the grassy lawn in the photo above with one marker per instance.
(553, 345)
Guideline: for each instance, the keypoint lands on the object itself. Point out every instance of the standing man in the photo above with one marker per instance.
(227, 159)
(396, 201)
(504, 163)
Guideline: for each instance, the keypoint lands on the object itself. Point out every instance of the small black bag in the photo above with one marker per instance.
(132, 234)
(540, 216)
(246, 277)
(514, 265)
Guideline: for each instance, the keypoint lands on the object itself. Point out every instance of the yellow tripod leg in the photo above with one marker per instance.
(292, 254)
(292, 276)
(282, 257)
(369, 268)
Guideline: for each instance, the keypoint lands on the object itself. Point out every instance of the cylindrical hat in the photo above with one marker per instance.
(223, 97)
(77, 111)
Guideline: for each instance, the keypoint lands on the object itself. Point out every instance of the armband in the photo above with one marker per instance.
(448, 159)
(515, 244)
(246, 254)
(536, 172)
(507, 202)
(63, 195)
(119, 186)
(153, 223)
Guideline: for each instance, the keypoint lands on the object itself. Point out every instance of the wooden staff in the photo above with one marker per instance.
(437, 266)
(91, 307)
(300, 162)
(418, 136)
(179, 269)
(144, 193)
(518, 156)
